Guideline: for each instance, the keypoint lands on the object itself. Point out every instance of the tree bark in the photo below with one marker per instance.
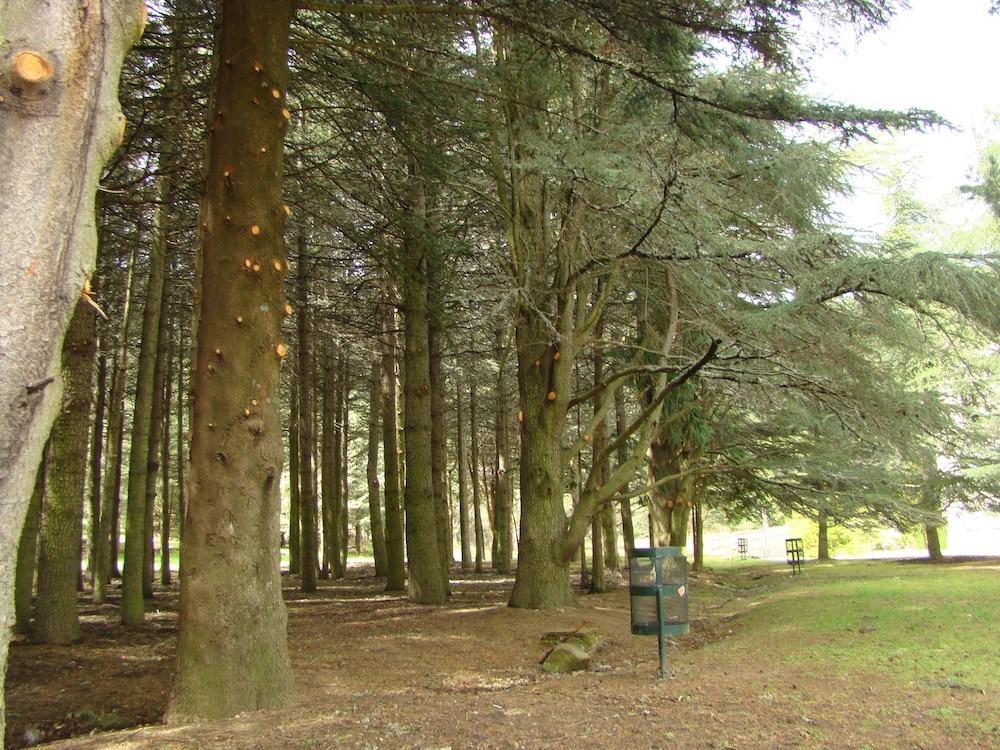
(232, 646)
(628, 529)
(136, 553)
(474, 476)
(503, 491)
(426, 582)
(374, 504)
(56, 619)
(165, 525)
(96, 455)
(307, 497)
(294, 502)
(343, 459)
(59, 124)
(332, 502)
(698, 537)
(394, 537)
(439, 438)
(823, 536)
(27, 555)
(464, 514)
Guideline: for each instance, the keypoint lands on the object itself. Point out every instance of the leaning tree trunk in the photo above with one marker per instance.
(59, 123)
(56, 619)
(232, 653)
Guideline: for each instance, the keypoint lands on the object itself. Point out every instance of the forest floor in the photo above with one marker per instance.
(825, 659)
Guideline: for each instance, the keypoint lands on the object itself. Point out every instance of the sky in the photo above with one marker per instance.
(942, 55)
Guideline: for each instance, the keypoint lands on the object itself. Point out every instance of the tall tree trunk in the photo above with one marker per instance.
(503, 493)
(96, 454)
(394, 542)
(294, 502)
(156, 437)
(133, 606)
(165, 525)
(602, 557)
(473, 475)
(107, 540)
(27, 554)
(59, 124)
(232, 646)
(439, 440)
(426, 582)
(182, 457)
(343, 459)
(933, 536)
(374, 504)
(56, 619)
(823, 535)
(332, 505)
(307, 497)
(464, 514)
(628, 529)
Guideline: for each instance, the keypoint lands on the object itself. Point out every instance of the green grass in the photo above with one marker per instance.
(932, 625)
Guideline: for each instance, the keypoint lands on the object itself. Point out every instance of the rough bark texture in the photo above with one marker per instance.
(374, 504)
(628, 529)
(394, 538)
(544, 385)
(426, 583)
(56, 133)
(232, 653)
(56, 619)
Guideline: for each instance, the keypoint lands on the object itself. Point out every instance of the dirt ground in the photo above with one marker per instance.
(374, 671)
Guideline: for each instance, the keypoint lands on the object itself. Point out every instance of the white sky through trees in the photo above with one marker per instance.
(942, 55)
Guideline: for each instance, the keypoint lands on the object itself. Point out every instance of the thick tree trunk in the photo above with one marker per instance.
(56, 619)
(823, 536)
(394, 538)
(59, 124)
(27, 555)
(474, 476)
(374, 504)
(427, 583)
(309, 563)
(933, 536)
(136, 553)
(232, 647)
(544, 380)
